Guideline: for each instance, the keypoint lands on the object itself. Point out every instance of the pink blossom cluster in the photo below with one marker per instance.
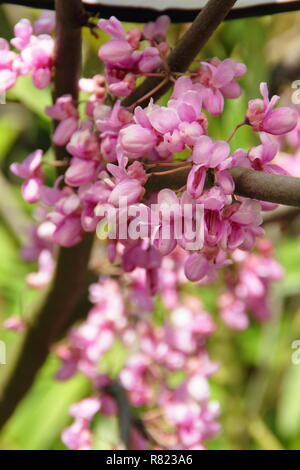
(152, 355)
(248, 286)
(125, 56)
(31, 53)
(113, 152)
(111, 149)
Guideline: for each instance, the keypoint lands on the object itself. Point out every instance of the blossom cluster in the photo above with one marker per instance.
(153, 354)
(115, 153)
(31, 53)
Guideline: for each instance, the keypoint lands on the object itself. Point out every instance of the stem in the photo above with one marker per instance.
(150, 93)
(126, 416)
(165, 164)
(170, 172)
(234, 130)
(72, 265)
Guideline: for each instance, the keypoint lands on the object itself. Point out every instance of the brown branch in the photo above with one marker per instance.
(126, 416)
(248, 183)
(267, 187)
(72, 265)
(188, 47)
(283, 215)
(70, 17)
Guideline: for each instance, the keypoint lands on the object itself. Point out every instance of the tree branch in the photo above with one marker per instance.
(72, 264)
(258, 185)
(188, 47)
(267, 187)
(70, 16)
(126, 415)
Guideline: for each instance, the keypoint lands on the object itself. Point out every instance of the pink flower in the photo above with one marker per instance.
(128, 191)
(80, 172)
(23, 31)
(163, 119)
(141, 255)
(134, 379)
(86, 409)
(38, 57)
(45, 24)
(8, 79)
(215, 80)
(209, 154)
(115, 51)
(96, 86)
(14, 324)
(40, 279)
(136, 140)
(157, 30)
(150, 59)
(113, 27)
(30, 171)
(41, 77)
(196, 267)
(64, 131)
(84, 143)
(63, 108)
(263, 154)
(77, 436)
(261, 116)
(63, 225)
(123, 87)
(232, 311)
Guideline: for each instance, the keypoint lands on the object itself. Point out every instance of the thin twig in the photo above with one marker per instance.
(172, 171)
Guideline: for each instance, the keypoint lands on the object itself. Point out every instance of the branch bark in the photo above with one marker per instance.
(268, 187)
(126, 415)
(72, 264)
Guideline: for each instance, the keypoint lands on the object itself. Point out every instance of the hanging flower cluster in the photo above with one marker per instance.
(33, 53)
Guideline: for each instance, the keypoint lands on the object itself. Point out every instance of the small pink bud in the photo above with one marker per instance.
(115, 51)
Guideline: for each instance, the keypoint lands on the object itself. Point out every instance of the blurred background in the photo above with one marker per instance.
(257, 385)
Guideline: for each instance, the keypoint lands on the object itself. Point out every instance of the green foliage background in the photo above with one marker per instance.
(257, 385)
